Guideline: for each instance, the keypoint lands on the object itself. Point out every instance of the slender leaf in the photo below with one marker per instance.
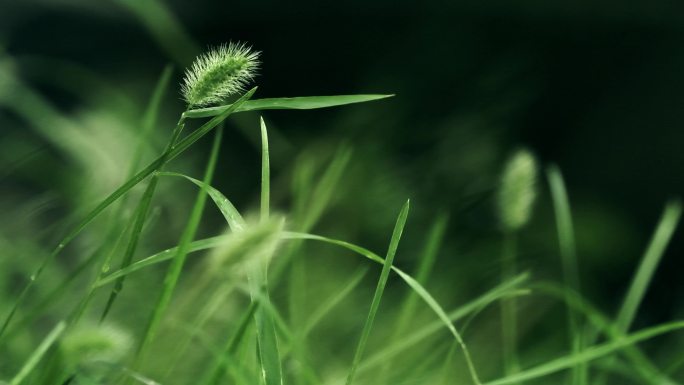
(298, 103)
(651, 259)
(566, 240)
(265, 173)
(375, 304)
(35, 357)
(230, 213)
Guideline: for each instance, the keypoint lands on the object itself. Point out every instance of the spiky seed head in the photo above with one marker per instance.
(88, 345)
(219, 73)
(517, 190)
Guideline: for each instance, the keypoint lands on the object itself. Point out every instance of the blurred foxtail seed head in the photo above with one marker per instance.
(219, 73)
(517, 190)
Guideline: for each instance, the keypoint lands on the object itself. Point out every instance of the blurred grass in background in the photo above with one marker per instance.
(594, 88)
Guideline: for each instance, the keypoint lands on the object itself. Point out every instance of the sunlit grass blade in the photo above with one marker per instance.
(174, 270)
(232, 216)
(298, 103)
(162, 256)
(375, 304)
(178, 149)
(265, 172)
(566, 241)
(588, 354)
(649, 263)
(35, 357)
(420, 290)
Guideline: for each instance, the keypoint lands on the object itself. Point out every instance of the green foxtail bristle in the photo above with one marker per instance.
(518, 190)
(219, 73)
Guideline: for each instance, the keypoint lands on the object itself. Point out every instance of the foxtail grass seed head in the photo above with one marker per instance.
(94, 344)
(517, 190)
(219, 73)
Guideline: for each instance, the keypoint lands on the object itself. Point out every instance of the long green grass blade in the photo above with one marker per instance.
(235, 220)
(588, 354)
(35, 357)
(265, 172)
(649, 263)
(420, 290)
(299, 103)
(375, 304)
(566, 241)
(174, 270)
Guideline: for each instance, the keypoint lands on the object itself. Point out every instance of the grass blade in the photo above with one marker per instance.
(265, 172)
(174, 270)
(38, 354)
(299, 103)
(375, 304)
(651, 259)
(408, 307)
(566, 241)
(588, 354)
(230, 213)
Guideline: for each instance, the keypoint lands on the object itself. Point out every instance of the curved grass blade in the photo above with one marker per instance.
(375, 304)
(588, 354)
(235, 221)
(38, 354)
(298, 103)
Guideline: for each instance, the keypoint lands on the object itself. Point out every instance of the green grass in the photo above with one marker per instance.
(264, 298)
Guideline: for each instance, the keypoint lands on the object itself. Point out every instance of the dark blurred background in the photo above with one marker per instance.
(595, 87)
